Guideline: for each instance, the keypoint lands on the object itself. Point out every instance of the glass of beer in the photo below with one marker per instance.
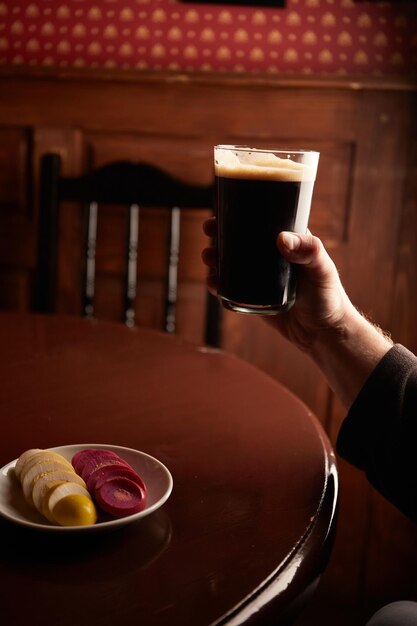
(259, 193)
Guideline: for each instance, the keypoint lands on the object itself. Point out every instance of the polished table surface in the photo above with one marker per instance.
(248, 526)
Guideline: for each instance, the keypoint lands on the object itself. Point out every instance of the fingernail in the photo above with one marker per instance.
(291, 241)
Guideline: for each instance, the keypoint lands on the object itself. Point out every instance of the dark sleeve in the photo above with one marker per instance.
(379, 434)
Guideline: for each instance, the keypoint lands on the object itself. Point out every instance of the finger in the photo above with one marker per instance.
(210, 227)
(209, 257)
(307, 250)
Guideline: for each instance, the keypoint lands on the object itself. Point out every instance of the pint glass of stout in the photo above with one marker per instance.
(259, 193)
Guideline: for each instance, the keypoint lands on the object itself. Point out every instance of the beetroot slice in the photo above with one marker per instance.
(91, 467)
(98, 459)
(121, 497)
(81, 458)
(112, 470)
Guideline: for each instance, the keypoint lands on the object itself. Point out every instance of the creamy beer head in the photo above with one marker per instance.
(253, 163)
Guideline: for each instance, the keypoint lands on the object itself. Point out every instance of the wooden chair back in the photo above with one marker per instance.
(134, 185)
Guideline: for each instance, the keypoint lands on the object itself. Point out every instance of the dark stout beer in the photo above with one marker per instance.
(254, 204)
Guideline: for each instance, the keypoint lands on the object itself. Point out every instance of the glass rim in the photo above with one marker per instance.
(243, 148)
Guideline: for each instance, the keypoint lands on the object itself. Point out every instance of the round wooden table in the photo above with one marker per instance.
(247, 529)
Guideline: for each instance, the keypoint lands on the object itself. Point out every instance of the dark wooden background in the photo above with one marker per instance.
(364, 208)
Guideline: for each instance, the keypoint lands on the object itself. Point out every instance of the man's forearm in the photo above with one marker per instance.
(348, 355)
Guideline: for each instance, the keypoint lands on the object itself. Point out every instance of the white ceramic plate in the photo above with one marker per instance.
(154, 474)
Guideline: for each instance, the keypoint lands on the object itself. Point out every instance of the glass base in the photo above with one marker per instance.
(254, 309)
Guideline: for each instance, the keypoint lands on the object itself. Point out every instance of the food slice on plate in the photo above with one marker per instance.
(47, 481)
(23, 458)
(37, 471)
(120, 497)
(89, 461)
(35, 455)
(76, 508)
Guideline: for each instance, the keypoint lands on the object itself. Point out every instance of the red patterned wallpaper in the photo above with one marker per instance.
(307, 37)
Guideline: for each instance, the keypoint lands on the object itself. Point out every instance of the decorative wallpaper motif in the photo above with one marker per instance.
(307, 37)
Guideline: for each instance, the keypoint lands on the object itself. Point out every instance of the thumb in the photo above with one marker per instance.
(307, 250)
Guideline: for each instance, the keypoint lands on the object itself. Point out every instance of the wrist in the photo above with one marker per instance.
(335, 332)
(348, 352)
(352, 333)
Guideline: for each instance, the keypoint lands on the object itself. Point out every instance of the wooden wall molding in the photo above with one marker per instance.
(351, 81)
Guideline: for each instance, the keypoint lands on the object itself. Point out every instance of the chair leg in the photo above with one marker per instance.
(90, 269)
(171, 290)
(132, 265)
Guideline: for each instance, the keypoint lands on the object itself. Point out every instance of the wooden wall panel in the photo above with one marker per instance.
(15, 171)
(184, 157)
(384, 129)
(17, 239)
(364, 209)
(332, 195)
(403, 323)
(16, 287)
